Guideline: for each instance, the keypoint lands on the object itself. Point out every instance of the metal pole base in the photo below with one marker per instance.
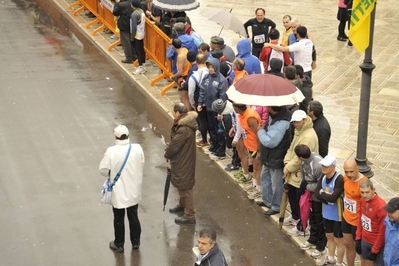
(364, 168)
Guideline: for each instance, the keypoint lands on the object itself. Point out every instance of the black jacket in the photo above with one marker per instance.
(323, 132)
(259, 29)
(123, 11)
(274, 157)
(215, 257)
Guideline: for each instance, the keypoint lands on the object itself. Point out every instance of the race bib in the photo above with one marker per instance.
(366, 223)
(259, 38)
(350, 205)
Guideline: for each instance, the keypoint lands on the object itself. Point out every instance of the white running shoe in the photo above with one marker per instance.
(290, 221)
(306, 245)
(139, 70)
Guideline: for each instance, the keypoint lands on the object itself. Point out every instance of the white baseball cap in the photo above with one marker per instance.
(121, 130)
(328, 161)
(298, 115)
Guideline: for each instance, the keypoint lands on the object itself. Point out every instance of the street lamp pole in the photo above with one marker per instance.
(367, 68)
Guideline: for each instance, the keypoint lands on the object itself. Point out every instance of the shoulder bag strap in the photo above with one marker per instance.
(123, 166)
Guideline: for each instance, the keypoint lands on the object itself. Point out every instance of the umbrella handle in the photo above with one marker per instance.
(231, 9)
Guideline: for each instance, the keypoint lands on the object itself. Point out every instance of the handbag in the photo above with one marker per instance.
(106, 192)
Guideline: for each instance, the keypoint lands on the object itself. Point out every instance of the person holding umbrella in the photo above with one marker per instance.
(181, 152)
(275, 138)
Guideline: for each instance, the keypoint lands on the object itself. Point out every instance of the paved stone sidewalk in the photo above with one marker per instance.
(336, 79)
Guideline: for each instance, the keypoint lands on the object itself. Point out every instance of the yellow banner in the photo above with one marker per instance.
(359, 33)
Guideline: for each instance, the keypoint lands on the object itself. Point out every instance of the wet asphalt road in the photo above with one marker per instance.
(58, 107)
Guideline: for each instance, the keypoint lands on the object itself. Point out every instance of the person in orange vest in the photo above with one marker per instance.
(183, 66)
(238, 68)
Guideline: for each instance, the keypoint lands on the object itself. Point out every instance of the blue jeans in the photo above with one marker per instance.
(272, 181)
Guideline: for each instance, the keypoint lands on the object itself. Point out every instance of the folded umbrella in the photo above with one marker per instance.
(264, 90)
(305, 203)
(167, 185)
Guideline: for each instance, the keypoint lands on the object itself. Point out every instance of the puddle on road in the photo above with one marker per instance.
(73, 48)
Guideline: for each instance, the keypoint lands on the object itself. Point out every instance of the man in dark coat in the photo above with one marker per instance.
(207, 251)
(320, 125)
(181, 152)
(123, 10)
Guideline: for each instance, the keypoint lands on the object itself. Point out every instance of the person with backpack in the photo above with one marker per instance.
(269, 53)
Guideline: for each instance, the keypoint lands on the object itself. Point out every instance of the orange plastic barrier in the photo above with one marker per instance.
(103, 12)
(156, 42)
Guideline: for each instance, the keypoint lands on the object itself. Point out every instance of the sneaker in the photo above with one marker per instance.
(139, 70)
(290, 221)
(295, 232)
(306, 245)
(231, 167)
(115, 248)
(243, 179)
(198, 135)
(328, 261)
(239, 174)
(254, 195)
(209, 152)
(317, 254)
(201, 144)
(216, 158)
(249, 188)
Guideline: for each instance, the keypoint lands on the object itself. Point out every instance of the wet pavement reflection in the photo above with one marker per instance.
(59, 105)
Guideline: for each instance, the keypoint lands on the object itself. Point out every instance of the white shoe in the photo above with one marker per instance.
(327, 261)
(216, 158)
(139, 70)
(290, 221)
(295, 232)
(306, 245)
(317, 254)
(255, 194)
(208, 152)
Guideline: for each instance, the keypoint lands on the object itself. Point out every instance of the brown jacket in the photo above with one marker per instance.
(182, 151)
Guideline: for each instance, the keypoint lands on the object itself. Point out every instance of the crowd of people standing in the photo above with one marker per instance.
(275, 148)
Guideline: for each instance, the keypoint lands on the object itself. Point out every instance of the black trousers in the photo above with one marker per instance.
(203, 124)
(218, 145)
(128, 49)
(317, 233)
(139, 46)
(293, 198)
(119, 225)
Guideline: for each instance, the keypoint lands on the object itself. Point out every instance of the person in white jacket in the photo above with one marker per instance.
(127, 190)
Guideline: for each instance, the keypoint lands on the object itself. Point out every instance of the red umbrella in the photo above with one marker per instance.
(305, 203)
(264, 90)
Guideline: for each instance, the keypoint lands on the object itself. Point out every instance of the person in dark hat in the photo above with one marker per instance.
(269, 54)
(225, 66)
(218, 42)
(391, 251)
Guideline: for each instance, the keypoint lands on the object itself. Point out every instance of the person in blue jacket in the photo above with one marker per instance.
(391, 250)
(213, 87)
(186, 40)
(252, 63)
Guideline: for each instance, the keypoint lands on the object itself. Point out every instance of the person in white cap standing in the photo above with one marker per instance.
(329, 191)
(126, 193)
(303, 134)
